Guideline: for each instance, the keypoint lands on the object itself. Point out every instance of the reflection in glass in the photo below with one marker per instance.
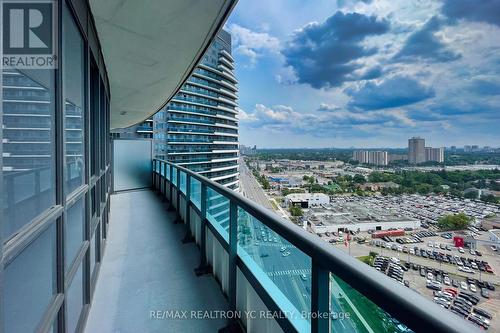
(196, 192)
(287, 267)
(218, 211)
(73, 69)
(28, 161)
(74, 231)
(29, 283)
(183, 181)
(74, 300)
(363, 314)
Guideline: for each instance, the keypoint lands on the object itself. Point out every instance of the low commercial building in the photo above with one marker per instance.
(306, 200)
(350, 216)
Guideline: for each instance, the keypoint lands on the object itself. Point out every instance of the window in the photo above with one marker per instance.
(74, 231)
(28, 159)
(74, 300)
(92, 253)
(30, 283)
(74, 110)
(94, 118)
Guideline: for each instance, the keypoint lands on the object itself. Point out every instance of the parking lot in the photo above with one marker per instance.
(445, 274)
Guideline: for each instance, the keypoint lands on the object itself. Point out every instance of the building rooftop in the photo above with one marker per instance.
(352, 213)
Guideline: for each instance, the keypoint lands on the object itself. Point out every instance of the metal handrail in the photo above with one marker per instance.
(412, 309)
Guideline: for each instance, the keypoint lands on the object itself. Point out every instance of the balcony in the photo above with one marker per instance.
(146, 268)
(292, 273)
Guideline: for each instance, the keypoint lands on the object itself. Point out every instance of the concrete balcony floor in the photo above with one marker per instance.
(146, 268)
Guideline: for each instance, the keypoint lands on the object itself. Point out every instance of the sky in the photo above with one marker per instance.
(370, 73)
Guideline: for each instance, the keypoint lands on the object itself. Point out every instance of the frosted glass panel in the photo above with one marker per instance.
(132, 164)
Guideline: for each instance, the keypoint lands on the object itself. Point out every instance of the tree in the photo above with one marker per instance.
(470, 195)
(360, 179)
(295, 210)
(458, 221)
(489, 198)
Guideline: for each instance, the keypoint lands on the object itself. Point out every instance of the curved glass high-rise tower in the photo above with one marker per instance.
(198, 129)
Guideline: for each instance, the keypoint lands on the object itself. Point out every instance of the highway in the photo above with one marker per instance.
(292, 274)
(251, 188)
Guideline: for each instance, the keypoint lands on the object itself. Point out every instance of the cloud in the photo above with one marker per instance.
(393, 92)
(252, 44)
(322, 54)
(332, 120)
(328, 107)
(485, 86)
(286, 76)
(245, 117)
(344, 3)
(487, 11)
(424, 44)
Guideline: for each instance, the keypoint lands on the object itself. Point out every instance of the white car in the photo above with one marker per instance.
(463, 285)
(473, 287)
(430, 244)
(465, 270)
(447, 281)
(430, 276)
(461, 250)
(472, 252)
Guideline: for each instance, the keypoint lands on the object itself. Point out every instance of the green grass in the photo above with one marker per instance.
(366, 259)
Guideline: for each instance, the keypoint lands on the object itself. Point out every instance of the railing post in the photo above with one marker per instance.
(170, 186)
(177, 196)
(233, 242)
(153, 174)
(320, 298)
(188, 238)
(204, 268)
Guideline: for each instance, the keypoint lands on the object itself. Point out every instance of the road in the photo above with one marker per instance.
(292, 273)
(251, 188)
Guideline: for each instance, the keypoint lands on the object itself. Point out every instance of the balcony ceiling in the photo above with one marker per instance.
(150, 47)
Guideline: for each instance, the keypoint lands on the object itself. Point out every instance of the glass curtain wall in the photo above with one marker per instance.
(55, 180)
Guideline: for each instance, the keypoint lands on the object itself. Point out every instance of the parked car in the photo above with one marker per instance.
(466, 270)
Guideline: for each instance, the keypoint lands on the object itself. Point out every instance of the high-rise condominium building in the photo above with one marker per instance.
(416, 150)
(198, 129)
(434, 154)
(371, 157)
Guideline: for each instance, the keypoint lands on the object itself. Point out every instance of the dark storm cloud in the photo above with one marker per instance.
(424, 44)
(473, 10)
(322, 54)
(394, 92)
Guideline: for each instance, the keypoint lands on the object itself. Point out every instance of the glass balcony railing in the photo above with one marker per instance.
(308, 285)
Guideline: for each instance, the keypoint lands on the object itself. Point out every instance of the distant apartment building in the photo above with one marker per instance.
(419, 153)
(248, 150)
(416, 150)
(434, 154)
(397, 157)
(471, 148)
(371, 157)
